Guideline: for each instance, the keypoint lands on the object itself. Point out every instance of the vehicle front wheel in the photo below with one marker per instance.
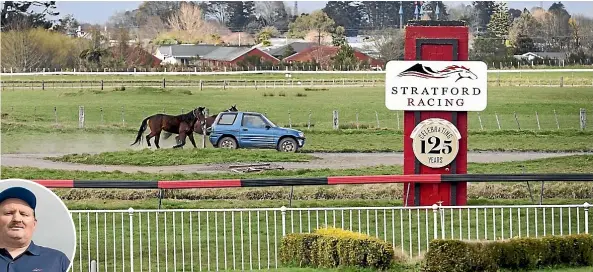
(287, 145)
(227, 142)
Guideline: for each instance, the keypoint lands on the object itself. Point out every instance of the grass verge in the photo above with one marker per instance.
(147, 157)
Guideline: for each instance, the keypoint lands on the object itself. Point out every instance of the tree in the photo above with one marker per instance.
(389, 43)
(500, 21)
(515, 13)
(288, 51)
(218, 11)
(27, 14)
(264, 35)
(345, 58)
(240, 12)
(381, 14)
(95, 53)
(521, 32)
(338, 36)
(272, 13)
(348, 14)
(68, 25)
(559, 24)
(317, 21)
(484, 11)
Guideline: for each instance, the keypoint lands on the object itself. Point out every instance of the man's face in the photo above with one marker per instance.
(17, 221)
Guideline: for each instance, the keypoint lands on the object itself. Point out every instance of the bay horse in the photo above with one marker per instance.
(182, 124)
(197, 128)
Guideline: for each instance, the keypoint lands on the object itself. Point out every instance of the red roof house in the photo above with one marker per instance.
(323, 54)
(232, 56)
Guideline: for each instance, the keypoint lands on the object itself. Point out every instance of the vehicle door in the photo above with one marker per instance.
(225, 123)
(256, 132)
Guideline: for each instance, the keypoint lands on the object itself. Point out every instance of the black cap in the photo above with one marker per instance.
(20, 193)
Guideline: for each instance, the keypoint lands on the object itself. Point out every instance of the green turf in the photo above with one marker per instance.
(160, 157)
(127, 108)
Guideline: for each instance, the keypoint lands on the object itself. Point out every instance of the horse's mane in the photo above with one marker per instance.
(188, 117)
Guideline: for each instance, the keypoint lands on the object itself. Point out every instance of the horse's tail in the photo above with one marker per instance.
(141, 130)
(166, 135)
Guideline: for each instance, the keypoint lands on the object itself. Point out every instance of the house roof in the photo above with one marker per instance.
(308, 54)
(297, 46)
(226, 53)
(188, 50)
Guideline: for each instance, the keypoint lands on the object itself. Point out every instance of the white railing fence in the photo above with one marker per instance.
(249, 239)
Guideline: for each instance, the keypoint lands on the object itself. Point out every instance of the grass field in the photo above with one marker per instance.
(161, 157)
(126, 109)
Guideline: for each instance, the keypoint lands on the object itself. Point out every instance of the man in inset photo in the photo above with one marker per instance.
(18, 253)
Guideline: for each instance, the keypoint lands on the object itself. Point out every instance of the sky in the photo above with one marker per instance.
(98, 12)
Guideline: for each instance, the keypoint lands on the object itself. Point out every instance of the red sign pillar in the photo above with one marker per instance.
(436, 41)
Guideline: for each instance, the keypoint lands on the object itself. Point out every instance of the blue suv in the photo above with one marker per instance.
(253, 130)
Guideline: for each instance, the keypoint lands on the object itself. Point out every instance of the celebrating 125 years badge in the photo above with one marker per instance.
(435, 142)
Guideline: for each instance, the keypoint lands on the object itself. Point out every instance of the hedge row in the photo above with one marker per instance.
(332, 247)
(512, 254)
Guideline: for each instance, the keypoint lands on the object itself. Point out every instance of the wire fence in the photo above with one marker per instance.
(299, 118)
(250, 239)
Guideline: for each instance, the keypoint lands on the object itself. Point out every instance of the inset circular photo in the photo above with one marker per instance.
(37, 232)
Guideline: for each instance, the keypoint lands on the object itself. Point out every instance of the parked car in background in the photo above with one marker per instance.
(253, 130)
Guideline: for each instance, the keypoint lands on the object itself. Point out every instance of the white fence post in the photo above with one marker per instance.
(587, 205)
(435, 209)
(336, 121)
(93, 266)
(583, 118)
(131, 213)
(80, 116)
(283, 211)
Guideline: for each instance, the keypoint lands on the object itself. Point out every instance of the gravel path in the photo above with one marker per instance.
(326, 160)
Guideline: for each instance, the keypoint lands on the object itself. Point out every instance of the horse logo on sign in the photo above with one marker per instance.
(419, 70)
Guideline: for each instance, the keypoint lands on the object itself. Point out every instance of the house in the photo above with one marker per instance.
(232, 56)
(208, 54)
(364, 44)
(183, 53)
(323, 54)
(137, 56)
(278, 52)
(529, 56)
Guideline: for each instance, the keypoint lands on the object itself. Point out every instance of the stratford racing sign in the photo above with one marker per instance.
(436, 85)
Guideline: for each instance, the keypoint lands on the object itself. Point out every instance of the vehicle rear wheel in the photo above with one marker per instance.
(287, 145)
(228, 142)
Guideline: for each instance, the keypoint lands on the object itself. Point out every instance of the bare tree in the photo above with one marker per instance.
(389, 44)
(21, 48)
(188, 18)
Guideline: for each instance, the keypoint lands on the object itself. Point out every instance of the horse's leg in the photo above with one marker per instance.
(157, 138)
(148, 139)
(182, 137)
(191, 139)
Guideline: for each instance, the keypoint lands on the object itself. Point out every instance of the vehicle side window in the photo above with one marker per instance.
(253, 121)
(227, 119)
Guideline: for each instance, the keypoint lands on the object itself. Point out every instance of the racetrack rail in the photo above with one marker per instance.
(336, 180)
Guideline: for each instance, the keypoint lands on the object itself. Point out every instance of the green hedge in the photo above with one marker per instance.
(511, 254)
(332, 247)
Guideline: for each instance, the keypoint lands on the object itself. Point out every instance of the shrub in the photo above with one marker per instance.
(332, 247)
(511, 254)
